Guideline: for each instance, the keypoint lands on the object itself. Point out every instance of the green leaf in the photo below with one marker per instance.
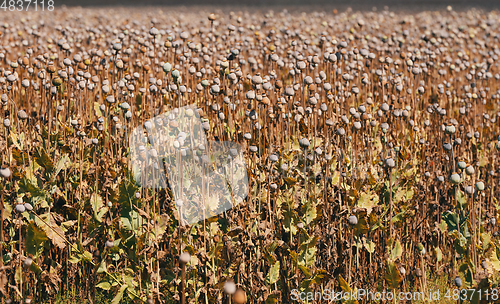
(87, 256)
(439, 254)
(132, 222)
(443, 226)
(26, 186)
(61, 164)
(44, 160)
(274, 273)
(398, 217)
(18, 275)
(105, 285)
(305, 270)
(34, 239)
(370, 246)
(75, 259)
(450, 219)
(495, 259)
(310, 212)
(486, 236)
(97, 109)
(102, 267)
(396, 251)
(461, 199)
(320, 276)
(98, 206)
(392, 276)
(118, 297)
(35, 268)
(127, 195)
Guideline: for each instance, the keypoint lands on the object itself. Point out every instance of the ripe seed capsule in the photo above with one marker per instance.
(455, 178)
(353, 220)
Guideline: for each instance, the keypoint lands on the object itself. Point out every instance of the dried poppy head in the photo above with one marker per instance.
(184, 258)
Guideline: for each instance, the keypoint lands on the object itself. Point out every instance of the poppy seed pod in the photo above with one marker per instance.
(462, 165)
(469, 170)
(124, 106)
(110, 99)
(22, 115)
(273, 158)
(450, 129)
(447, 147)
(184, 258)
(20, 208)
(304, 143)
(239, 296)
(28, 261)
(455, 178)
(289, 91)
(167, 67)
(230, 287)
(175, 74)
(480, 186)
(353, 220)
(470, 190)
(154, 31)
(390, 163)
(5, 172)
(28, 206)
(458, 282)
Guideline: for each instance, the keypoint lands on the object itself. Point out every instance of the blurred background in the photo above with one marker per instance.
(309, 4)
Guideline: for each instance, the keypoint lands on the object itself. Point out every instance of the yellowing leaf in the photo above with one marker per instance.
(51, 229)
(44, 160)
(98, 206)
(396, 251)
(439, 254)
(369, 245)
(368, 201)
(495, 259)
(104, 285)
(118, 297)
(274, 273)
(392, 276)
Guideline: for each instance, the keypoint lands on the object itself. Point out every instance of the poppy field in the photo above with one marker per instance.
(359, 150)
